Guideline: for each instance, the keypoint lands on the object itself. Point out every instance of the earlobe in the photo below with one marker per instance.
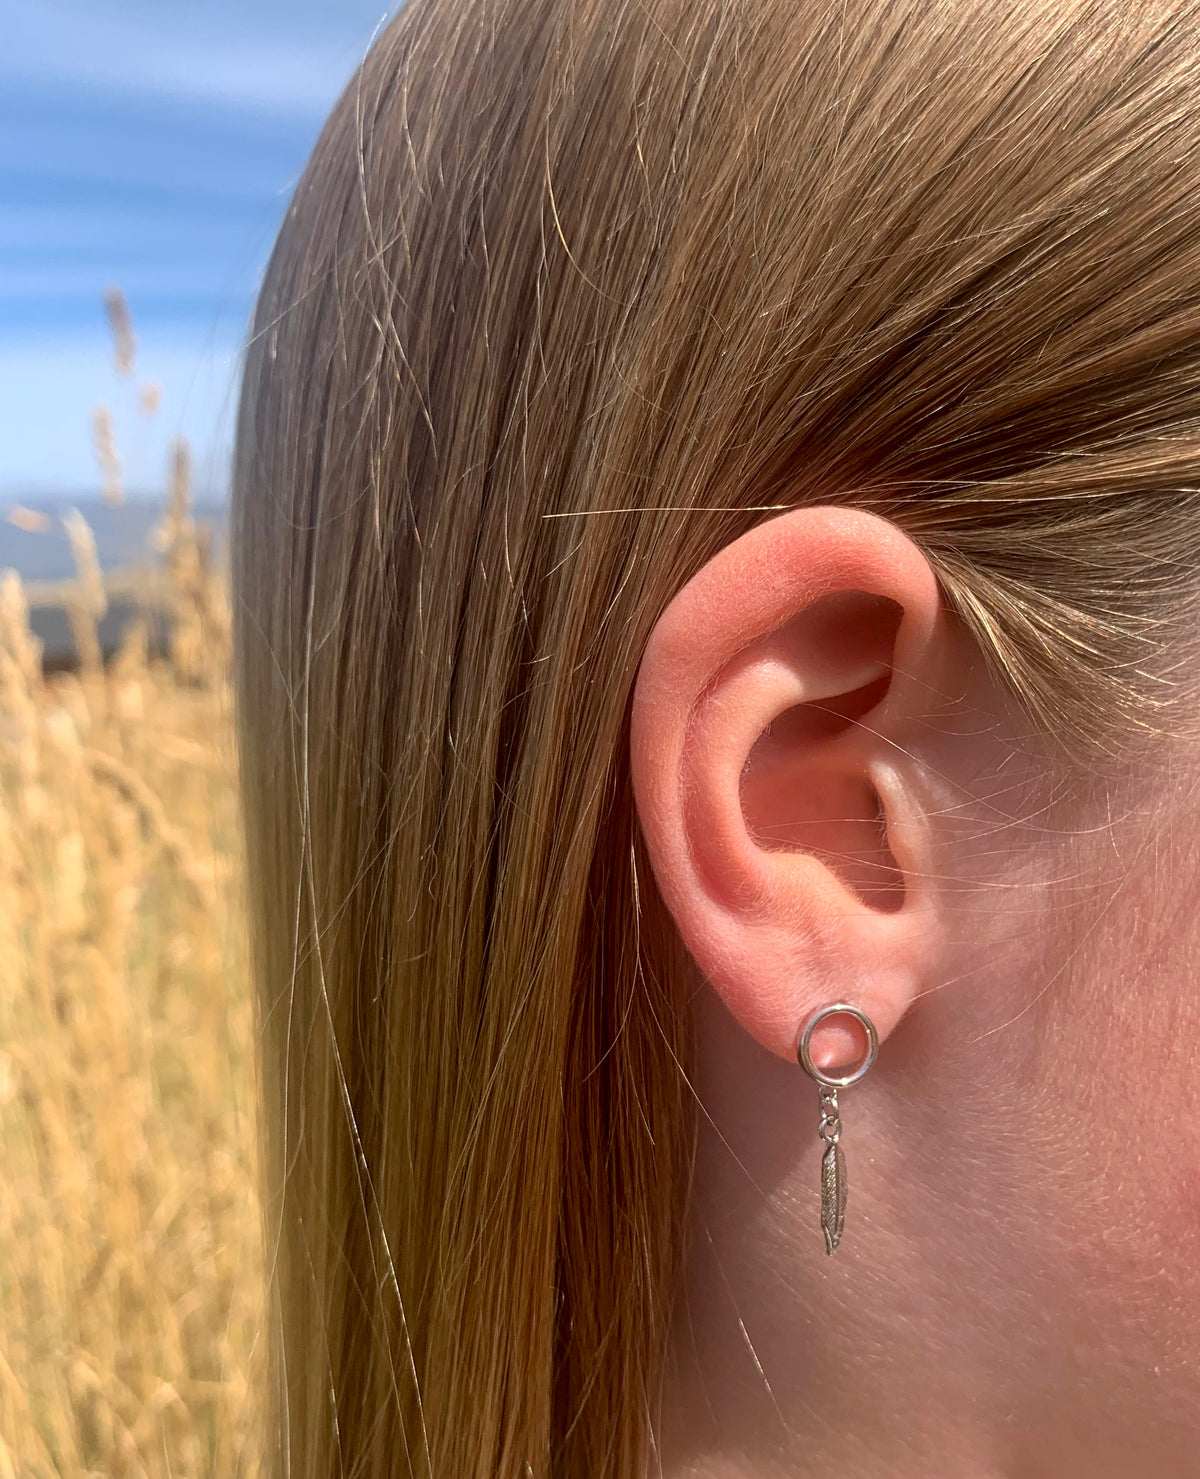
(775, 751)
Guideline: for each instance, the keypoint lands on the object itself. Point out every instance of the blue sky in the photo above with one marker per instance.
(151, 145)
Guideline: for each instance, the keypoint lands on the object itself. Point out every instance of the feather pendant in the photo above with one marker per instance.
(833, 1196)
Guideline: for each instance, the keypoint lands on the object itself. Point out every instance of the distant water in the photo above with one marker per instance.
(124, 534)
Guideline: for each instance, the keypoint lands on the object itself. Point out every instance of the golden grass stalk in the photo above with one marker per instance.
(31, 520)
(130, 1257)
(120, 322)
(105, 448)
(20, 680)
(200, 621)
(87, 602)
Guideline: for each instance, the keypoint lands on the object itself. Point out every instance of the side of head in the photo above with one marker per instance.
(714, 535)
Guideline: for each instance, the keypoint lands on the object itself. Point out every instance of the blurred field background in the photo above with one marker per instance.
(130, 1261)
(155, 146)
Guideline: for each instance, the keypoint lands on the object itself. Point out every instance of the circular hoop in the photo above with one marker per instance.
(843, 1081)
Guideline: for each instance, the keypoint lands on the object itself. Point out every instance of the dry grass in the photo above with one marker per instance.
(130, 1258)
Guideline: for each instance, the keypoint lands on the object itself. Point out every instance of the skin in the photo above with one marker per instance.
(1017, 1292)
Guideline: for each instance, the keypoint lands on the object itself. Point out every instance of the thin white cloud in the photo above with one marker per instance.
(35, 283)
(284, 59)
(208, 56)
(50, 387)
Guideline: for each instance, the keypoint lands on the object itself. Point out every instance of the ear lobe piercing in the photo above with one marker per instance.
(833, 1162)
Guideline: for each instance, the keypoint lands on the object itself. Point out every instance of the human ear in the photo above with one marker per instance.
(780, 774)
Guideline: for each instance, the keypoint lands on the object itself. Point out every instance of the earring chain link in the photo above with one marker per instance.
(830, 1128)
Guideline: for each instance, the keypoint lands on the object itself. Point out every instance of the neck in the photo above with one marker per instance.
(830, 1373)
(786, 1360)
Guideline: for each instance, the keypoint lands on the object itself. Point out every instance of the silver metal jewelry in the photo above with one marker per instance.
(833, 1162)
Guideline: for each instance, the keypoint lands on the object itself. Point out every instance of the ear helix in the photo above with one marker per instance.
(833, 1162)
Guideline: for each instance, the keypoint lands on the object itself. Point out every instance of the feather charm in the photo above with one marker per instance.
(833, 1161)
(833, 1195)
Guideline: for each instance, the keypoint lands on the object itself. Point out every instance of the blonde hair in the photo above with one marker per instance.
(569, 296)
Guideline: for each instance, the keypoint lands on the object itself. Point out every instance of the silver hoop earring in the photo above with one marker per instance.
(833, 1162)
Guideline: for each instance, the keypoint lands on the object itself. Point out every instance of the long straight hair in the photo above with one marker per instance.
(571, 294)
